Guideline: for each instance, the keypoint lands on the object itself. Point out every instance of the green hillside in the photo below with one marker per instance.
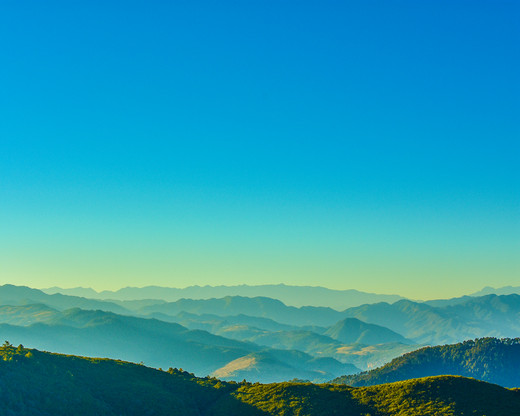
(489, 359)
(36, 383)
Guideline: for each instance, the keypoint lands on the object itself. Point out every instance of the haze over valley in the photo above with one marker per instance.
(259, 339)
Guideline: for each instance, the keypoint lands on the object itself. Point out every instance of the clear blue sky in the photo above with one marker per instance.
(372, 145)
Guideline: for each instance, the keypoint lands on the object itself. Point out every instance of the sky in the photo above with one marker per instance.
(370, 145)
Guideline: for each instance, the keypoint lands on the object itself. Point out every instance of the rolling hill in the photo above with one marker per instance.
(36, 383)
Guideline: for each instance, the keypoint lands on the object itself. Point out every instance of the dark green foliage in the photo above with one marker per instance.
(489, 359)
(34, 383)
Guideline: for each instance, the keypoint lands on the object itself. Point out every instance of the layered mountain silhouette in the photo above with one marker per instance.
(310, 339)
(258, 306)
(435, 322)
(505, 290)
(154, 342)
(249, 337)
(290, 295)
(22, 295)
(490, 315)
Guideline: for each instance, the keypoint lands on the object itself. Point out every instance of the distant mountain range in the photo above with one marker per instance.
(21, 295)
(488, 359)
(465, 318)
(258, 331)
(506, 290)
(258, 306)
(257, 338)
(290, 295)
(469, 318)
(434, 322)
(157, 343)
(314, 340)
(36, 383)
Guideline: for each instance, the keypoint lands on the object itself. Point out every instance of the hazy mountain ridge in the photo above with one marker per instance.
(290, 295)
(262, 307)
(23, 295)
(110, 388)
(422, 323)
(251, 325)
(295, 337)
(505, 290)
(434, 322)
(354, 331)
(490, 315)
(310, 339)
(487, 359)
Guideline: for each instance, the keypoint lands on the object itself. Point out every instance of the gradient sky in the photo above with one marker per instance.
(372, 145)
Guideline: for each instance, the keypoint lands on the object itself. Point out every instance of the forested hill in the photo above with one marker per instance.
(488, 359)
(35, 383)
